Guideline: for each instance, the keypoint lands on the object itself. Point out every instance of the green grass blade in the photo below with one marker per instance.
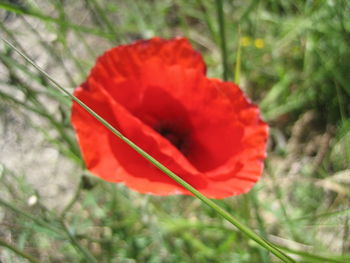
(50, 50)
(102, 14)
(323, 215)
(237, 78)
(29, 216)
(18, 252)
(219, 210)
(255, 203)
(90, 258)
(221, 21)
(316, 258)
(207, 18)
(42, 17)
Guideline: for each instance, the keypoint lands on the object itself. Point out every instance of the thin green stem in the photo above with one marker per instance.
(207, 18)
(32, 97)
(68, 234)
(221, 21)
(315, 258)
(90, 258)
(43, 17)
(29, 216)
(279, 195)
(53, 53)
(73, 200)
(246, 230)
(346, 234)
(237, 78)
(10, 34)
(18, 252)
(255, 201)
(102, 14)
(341, 103)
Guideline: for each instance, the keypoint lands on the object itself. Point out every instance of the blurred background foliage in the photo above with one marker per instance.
(291, 57)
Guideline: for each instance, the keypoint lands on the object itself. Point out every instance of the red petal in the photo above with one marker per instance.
(113, 160)
(136, 87)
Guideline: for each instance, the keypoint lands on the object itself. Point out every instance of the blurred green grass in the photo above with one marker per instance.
(300, 66)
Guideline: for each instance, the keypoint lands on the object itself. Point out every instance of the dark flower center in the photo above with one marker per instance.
(174, 135)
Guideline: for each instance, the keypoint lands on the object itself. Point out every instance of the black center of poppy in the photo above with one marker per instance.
(175, 136)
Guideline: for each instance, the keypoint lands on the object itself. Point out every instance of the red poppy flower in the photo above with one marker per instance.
(155, 92)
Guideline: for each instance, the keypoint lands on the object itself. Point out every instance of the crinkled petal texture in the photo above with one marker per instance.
(155, 93)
